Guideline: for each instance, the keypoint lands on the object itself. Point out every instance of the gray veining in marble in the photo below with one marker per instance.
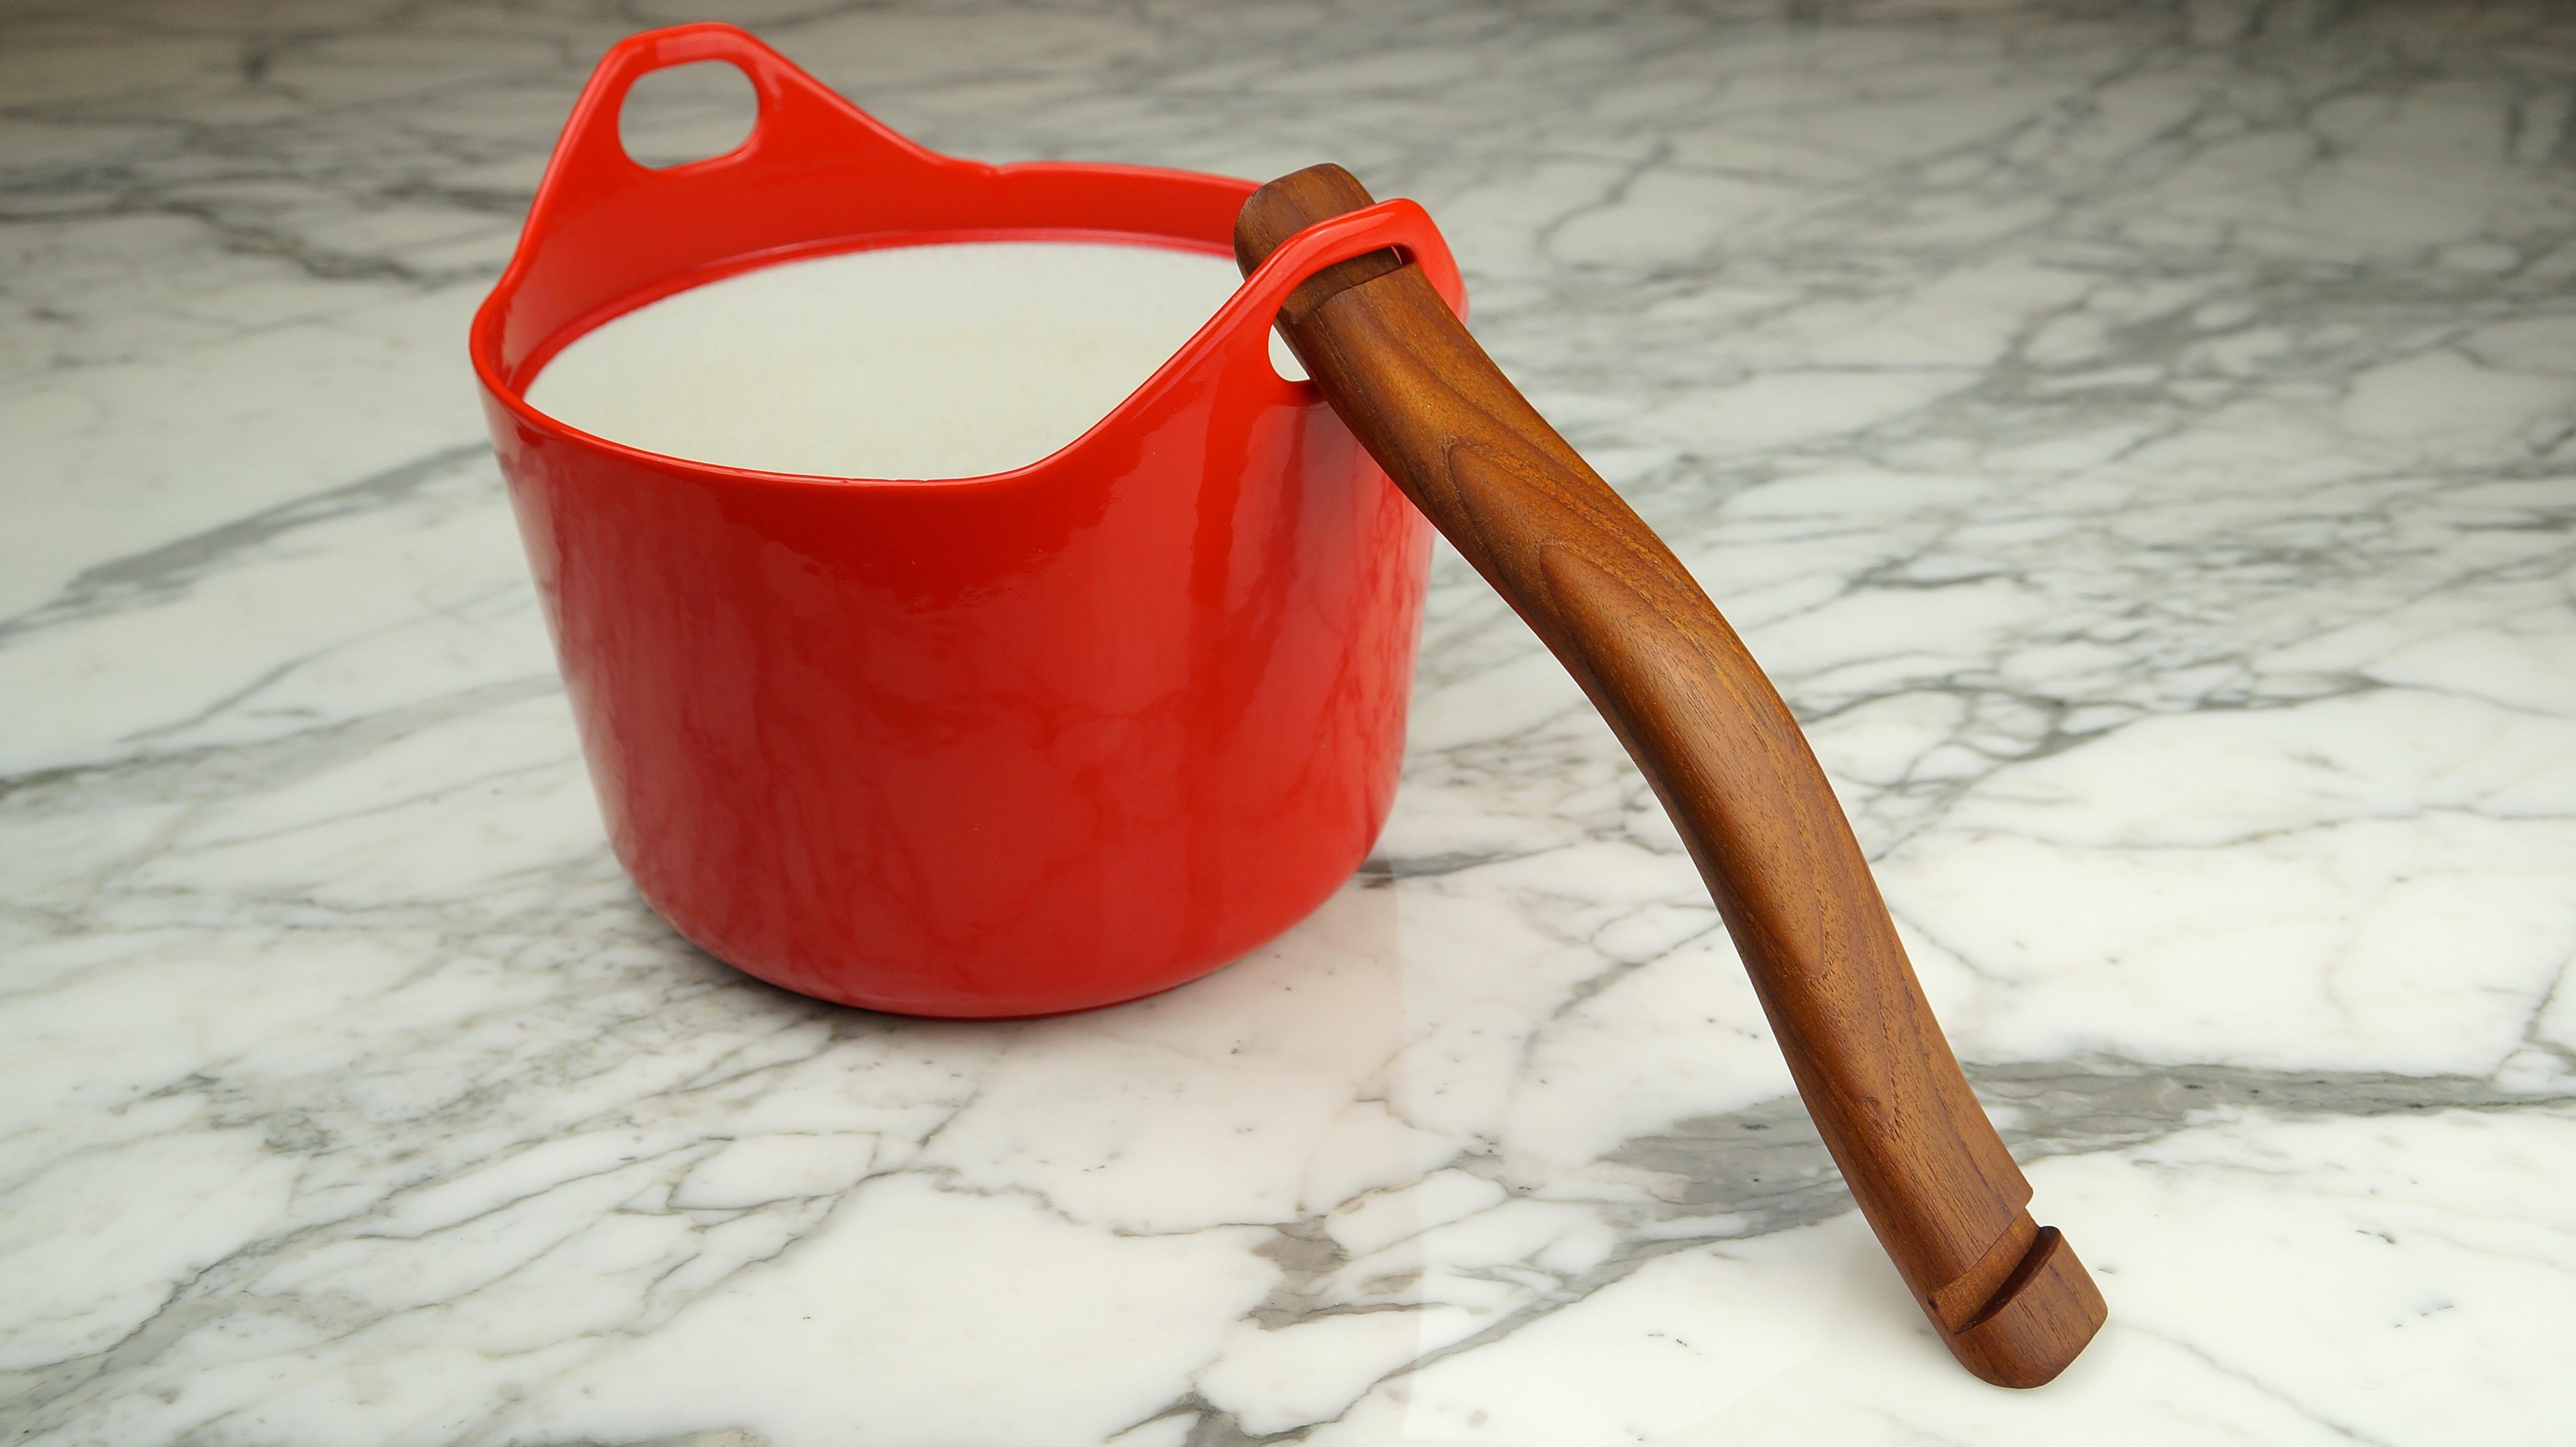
(2140, 440)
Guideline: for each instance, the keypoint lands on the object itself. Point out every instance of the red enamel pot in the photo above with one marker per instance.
(1007, 745)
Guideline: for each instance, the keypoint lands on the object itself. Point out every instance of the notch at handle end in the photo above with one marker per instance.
(2036, 1323)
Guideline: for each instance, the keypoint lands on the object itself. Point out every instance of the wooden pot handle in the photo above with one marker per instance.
(1700, 718)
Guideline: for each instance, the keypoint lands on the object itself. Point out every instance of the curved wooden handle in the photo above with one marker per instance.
(1724, 755)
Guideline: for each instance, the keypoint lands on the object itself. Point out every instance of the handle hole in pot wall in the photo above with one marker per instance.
(685, 113)
(1283, 361)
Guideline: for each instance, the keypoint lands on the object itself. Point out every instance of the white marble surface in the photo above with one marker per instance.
(2138, 438)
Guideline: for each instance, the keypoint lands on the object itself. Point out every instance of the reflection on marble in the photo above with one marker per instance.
(2138, 438)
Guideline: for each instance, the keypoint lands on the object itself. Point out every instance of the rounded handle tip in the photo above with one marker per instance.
(2037, 1322)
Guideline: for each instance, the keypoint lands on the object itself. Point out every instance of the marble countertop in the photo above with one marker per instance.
(2137, 438)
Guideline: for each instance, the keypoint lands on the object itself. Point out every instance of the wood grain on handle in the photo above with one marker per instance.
(1728, 761)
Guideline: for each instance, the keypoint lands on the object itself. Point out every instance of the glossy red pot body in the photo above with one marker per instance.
(994, 746)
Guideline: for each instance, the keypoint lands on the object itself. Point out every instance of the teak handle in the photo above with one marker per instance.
(1700, 718)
